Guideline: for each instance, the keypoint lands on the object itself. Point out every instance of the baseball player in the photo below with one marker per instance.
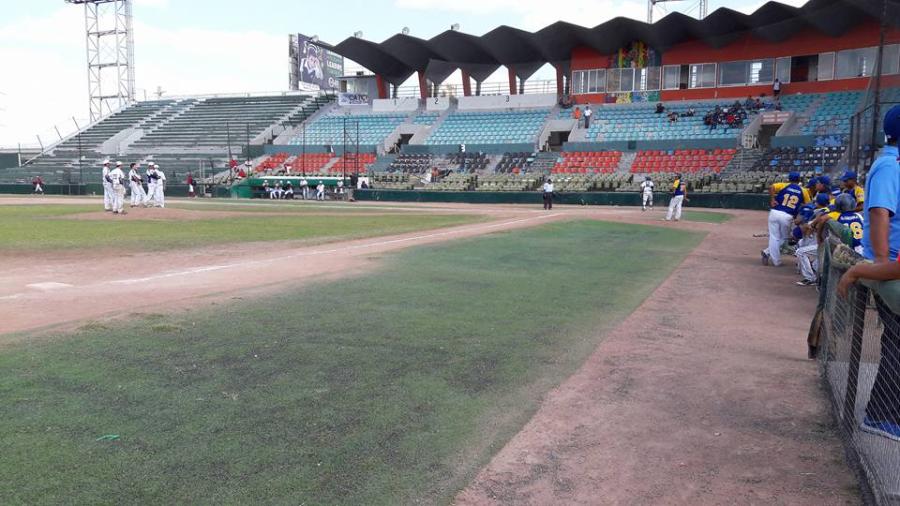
(785, 201)
(107, 191)
(137, 186)
(647, 194)
(117, 185)
(288, 191)
(150, 197)
(852, 188)
(679, 195)
(807, 245)
(845, 214)
(276, 193)
(160, 195)
(320, 190)
(304, 188)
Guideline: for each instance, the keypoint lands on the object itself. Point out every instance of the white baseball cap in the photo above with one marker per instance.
(106, 162)
(118, 164)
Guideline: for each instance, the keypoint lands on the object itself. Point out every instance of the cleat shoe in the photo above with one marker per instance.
(805, 282)
(764, 257)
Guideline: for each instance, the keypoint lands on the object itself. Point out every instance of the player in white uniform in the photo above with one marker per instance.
(137, 186)
(647, 194)
(107, 190)
(160, 187)
(150, 197)
(117, 185)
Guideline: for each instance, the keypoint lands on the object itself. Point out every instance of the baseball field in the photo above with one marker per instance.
(317, 354)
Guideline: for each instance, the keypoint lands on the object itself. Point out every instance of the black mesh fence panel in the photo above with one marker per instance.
(859, 354)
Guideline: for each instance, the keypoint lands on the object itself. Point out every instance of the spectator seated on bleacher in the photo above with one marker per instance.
(660, 108)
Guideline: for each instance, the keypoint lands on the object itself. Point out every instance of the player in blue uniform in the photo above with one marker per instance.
(851, 187)
(785, 201)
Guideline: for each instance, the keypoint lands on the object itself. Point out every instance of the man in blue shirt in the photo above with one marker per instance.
(881, 242)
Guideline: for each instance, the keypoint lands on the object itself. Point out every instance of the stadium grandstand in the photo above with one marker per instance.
(680, 95)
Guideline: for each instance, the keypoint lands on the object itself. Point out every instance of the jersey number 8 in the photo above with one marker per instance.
(857, 230)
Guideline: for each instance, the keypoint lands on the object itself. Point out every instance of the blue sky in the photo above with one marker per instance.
(220, 46)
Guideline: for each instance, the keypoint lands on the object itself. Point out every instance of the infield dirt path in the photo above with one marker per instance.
(63, 289)
(702, 396)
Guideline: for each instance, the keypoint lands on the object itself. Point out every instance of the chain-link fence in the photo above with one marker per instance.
(856, 340)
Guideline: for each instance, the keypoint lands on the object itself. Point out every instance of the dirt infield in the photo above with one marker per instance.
(702, 396)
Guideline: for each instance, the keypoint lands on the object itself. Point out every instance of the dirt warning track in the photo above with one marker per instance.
(703, 395)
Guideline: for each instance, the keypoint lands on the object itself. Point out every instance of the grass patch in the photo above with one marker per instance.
(43, 228)
(391, 388)
(705, 216)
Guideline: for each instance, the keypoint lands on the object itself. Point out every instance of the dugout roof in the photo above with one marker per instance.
(398, 57)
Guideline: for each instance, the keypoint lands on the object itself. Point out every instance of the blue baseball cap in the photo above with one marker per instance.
(823, 199)
(848, 175)
(812, 182)
(892, 122)
(794, 176)
(807, 212)
(825, 180)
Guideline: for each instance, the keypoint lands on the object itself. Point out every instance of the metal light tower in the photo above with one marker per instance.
(110, 54)
(701, 5)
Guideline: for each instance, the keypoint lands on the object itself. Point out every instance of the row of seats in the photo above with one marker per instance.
(338, 129)
(682, 160)
(637, 122)
(587, 162)
(786, 159)
(494, 127)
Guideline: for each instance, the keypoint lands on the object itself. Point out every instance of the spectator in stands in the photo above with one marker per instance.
(785, 202)
(660, 108)
(304, 188)
(749, 104)
(673, 117)
(547, 194)
(776, 89)
(576, 115)
(689, 113)
(320, 190)
(777, 104)
(37, 185)
(287, 169)
(758, 105)
(587, 116)
(710, 120)
(850, 186)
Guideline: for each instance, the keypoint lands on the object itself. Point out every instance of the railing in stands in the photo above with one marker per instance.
(532, 87)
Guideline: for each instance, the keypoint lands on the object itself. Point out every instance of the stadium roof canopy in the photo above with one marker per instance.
(398, 57)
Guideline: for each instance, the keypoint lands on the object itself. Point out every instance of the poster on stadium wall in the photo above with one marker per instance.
(312, 67)
(345, 99)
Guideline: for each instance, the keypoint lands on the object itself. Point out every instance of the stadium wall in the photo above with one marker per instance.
(752, 201)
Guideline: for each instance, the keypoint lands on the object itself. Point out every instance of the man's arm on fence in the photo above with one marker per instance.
(876, 272)
(879, 230)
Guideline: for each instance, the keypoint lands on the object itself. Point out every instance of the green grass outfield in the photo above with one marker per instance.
(391, 388)
(45, 228)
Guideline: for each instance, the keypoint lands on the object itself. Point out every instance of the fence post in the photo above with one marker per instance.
(860, 300)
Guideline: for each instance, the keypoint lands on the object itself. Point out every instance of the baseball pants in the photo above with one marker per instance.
(675, 208)
(159, 195)
(779, 229)
(150, 196)
(647, 201)
(808, 258)
(118, 195)
(137, 194)
(107, 196)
